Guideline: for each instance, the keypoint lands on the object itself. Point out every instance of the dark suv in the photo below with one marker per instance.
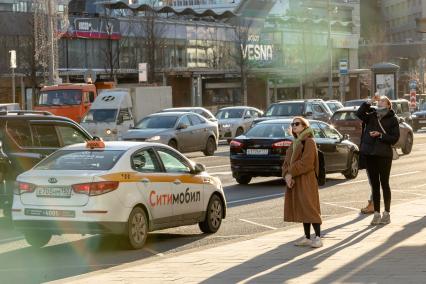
(311, 109)
(26, 137)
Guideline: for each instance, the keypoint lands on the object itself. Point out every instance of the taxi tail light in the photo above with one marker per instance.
(24, 187)
(95, 188)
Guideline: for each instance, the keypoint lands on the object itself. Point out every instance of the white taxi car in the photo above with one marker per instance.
(119, 188)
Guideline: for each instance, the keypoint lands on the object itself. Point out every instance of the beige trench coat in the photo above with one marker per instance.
(301, 202)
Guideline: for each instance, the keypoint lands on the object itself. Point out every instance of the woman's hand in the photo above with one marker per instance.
(375, 134)
(289, 180)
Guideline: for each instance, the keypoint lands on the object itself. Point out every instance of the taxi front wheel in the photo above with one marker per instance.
(37, 239)
(213, 216)
(137, 228)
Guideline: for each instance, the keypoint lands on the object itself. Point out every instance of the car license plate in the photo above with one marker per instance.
(347, 128)
(257, 151)
(54, 192)
(422, 121)
(49, 213)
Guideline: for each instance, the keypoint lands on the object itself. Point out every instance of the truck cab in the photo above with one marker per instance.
(69, 100)
(110, 115)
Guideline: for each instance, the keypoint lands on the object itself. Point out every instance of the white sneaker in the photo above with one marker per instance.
(304, 242)
(376, 219)
(385, 218)
(316, 243)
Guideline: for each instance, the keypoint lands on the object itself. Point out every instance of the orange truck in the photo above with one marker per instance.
(69, 99)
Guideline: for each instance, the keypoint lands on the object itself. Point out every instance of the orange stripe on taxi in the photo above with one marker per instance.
(137, 177)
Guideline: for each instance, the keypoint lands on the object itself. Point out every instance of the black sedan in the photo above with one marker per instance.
(261, 151)
(419, 118)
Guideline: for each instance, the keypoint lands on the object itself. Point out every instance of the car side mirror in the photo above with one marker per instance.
(401, 119)
(120, 120)
(199, 168)
(91, 97)
(181, 126)
(346, 137)
(309, 113)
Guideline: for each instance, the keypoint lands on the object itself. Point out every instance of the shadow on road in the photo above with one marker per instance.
(280, 266)
(29, 265)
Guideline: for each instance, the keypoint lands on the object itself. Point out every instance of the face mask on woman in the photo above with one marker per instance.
(382, 111)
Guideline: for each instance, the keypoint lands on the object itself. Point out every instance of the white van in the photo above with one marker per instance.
(110, 115)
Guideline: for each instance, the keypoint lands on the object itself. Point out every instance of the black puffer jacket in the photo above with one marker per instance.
(378, 146)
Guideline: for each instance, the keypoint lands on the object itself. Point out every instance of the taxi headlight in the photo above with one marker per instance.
(414, 115)
(154, 138)
(226, 125)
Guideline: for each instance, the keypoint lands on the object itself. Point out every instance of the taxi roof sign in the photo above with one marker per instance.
(95, 144)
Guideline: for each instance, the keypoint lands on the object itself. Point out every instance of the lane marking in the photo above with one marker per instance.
(346, 207)
(221, 173)
(255, 198)
(364, 180)
(258, 224)
(215, 167)
(154, 252)
(2, 241)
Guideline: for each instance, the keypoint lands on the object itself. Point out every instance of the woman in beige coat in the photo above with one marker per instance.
(300, 170)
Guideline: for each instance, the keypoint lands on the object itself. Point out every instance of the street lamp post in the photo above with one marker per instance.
(330, 52)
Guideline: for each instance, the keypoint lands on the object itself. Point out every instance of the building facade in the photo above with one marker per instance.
(390, 35)
(286, 51)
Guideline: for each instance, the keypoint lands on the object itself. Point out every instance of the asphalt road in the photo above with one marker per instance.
(252, 209)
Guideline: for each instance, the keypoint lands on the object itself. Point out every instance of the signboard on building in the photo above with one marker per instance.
(12, 59)
(143, 72)
(344, 67)
(257, 51)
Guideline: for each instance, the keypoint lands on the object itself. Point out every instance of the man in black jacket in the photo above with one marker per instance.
(380, 133)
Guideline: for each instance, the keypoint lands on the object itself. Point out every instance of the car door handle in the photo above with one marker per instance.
(145, 180)
(177, 182)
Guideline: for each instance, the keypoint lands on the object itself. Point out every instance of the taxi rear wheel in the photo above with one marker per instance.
(137, 228)
(37, 239)
(214, 216)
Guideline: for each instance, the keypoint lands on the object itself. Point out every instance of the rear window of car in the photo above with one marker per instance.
(269, 130)
(96, 160)
(344, 115)
(290, 109)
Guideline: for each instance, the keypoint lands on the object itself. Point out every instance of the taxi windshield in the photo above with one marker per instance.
(94, 160)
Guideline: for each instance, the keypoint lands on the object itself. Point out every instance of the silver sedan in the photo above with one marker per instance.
(234, 121)
(184, 131)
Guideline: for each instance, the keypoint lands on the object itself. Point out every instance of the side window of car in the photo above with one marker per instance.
(197, 120)
(318, 133)
(20, 132)
(125, 114)
(308, 108)
(317, 109)
(185, 120)
(330, 132)
(45, 135)
(145, 161)
(70, 135)
(172, 163)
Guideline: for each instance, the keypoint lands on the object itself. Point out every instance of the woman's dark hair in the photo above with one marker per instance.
(304, 121)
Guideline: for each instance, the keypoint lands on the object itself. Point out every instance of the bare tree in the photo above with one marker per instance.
(153, 41)
(241, 57)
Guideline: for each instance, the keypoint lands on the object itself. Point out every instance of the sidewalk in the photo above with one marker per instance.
(353, 252)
